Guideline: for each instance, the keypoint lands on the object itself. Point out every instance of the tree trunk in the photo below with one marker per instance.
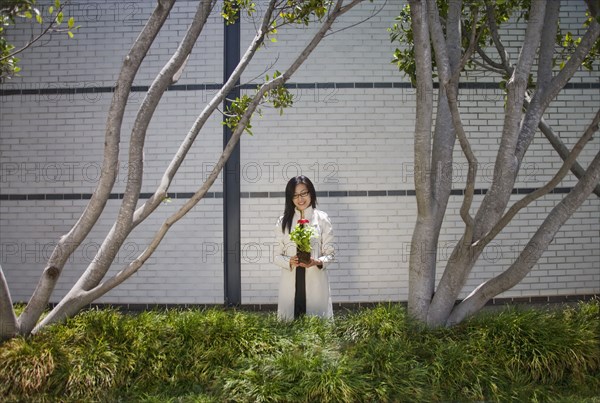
(562, 150)
(160, 193)
(8, 320)
(534, 248)
(78, 297)
(518, 130)
(69, 242)
(124, 223)
(506, 165)
(420, 272)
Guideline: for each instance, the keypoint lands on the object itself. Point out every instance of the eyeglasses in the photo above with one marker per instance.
(304, 195)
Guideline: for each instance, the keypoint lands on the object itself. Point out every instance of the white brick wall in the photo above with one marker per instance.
(345, 139)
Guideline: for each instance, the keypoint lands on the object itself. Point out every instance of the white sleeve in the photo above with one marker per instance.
(327, 241)
(280, 239)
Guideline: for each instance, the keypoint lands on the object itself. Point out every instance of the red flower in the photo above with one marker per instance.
(303, 221)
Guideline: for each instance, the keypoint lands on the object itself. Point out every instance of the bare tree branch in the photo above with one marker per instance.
(556, 179)
(470, 50)
(543, 97)
(444, 138)
(506, 165)
(160, 193)
(81, 298)
(563, 151)
(491, 19)
(449, 79)
(559, 146)
(547, 44)
(8, 319)
(534, 248)
(124, 222)
(68, 243)
(436, 308)
(123, 225)
(491, 65)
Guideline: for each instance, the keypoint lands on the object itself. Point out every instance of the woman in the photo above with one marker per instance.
(304, 287)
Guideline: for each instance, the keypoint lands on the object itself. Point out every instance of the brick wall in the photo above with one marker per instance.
(350, 130)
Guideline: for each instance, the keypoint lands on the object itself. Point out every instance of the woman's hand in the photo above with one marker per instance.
(294, 262)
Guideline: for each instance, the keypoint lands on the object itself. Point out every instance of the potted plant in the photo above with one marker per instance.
(301, 235)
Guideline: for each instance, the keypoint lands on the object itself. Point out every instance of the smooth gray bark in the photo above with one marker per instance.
(437, 309)
(8, 319)
(506, 165)
(563, 151)
(421, 263)
(77, 299)
(69, 242)
(534, 248)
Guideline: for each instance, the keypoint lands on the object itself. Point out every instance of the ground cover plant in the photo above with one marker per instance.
(376, 354)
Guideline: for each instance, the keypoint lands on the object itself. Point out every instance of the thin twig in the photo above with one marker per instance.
(491, 18)
(446, 77)
(470, 50)
(30, 43)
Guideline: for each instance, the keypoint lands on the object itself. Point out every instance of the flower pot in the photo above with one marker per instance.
(303, 257)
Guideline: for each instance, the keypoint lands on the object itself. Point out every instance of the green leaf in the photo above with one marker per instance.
(39, 19)
(273, 40)
(71, 22)
(59, 18)
(301, 235)
(50, 10)
(70, 34)
(57, 3)
(28, 14)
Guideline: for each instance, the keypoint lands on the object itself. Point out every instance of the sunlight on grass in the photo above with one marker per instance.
(376, 354)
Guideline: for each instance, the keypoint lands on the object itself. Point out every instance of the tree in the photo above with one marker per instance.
(13, 10)
(447, 38)
(93, 284)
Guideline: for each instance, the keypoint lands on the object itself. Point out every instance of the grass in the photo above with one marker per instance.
(376, 354)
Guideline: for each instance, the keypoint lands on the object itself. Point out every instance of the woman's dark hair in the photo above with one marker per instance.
(290, 189)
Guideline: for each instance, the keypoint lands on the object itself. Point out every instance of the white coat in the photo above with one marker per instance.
(318, 295)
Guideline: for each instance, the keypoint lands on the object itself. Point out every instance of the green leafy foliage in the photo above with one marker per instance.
(14, 12)
(568, 43)
(301, 235)
(377, 354)
(298, 12)
(235, 110)
(302, 11)
(232, 8)
(505, 11)
(279, 97)
(404, 57)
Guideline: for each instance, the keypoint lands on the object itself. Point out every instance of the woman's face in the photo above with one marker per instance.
(301, 197)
